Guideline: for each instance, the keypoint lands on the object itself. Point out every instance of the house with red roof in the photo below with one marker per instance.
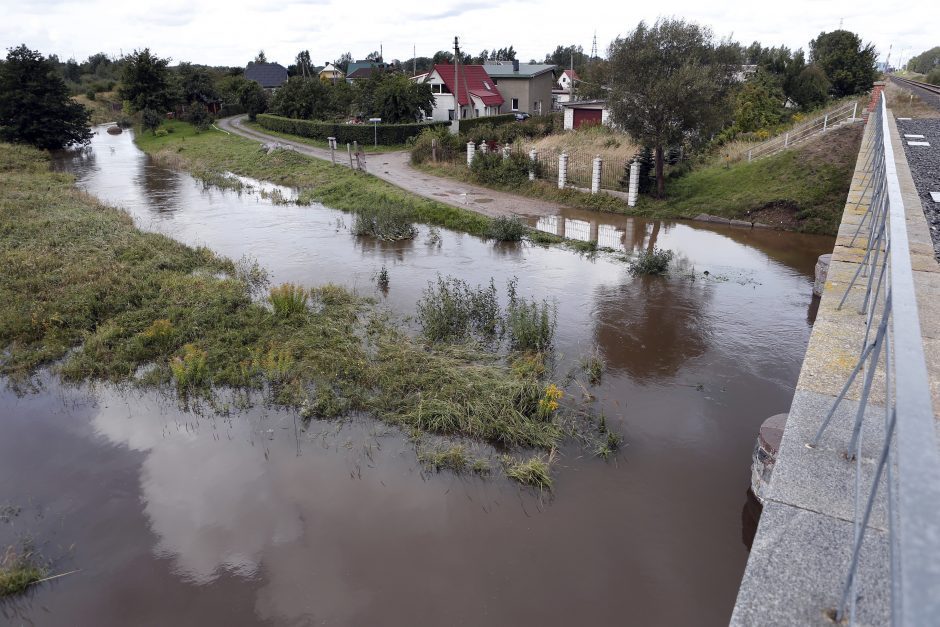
(470, 86)
(562, 93)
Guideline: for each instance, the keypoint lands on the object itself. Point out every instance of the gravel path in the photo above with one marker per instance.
(395, 168)
(925, 169)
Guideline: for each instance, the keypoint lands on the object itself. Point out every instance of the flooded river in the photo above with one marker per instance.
(175, 518)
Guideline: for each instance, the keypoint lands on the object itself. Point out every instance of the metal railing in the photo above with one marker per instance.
(893, 351)
(801, 132)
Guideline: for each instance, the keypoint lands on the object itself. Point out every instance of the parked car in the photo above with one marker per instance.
(522, 116)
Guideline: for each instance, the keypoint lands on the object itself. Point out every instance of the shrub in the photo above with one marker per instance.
(449, 147)
(288, 299)
(933, 77)
(652, 262)
(388, 134)
(530, 325)
(90, 94)
(451, 311)
(198, 115)
(493, 169)
(386, 221)
(161, 132)
(506, 229)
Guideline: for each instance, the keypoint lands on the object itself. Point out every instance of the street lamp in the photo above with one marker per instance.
(375, 125)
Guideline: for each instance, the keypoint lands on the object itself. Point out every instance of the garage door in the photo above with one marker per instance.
(586, 116)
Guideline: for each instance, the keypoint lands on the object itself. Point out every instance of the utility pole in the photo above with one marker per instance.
(414, 60)
(457, 80)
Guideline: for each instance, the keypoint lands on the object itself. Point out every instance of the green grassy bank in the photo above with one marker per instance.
(91, 296)
(210, 153)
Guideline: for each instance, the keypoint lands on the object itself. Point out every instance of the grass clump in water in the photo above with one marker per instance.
(385, 221)
(593, 366)
(530, 325)
(535, 471)
(189, 369)
(506, 229)
(455, 458)
(18, 571)
(651, 262)
(452, 311)
(288, 299)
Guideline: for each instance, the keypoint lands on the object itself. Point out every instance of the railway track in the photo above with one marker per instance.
(930, 94)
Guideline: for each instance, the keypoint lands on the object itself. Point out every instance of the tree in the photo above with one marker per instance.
(758, 104)
(811, 88)
(253, 98)
(849, 65)
(260, 57)
(398, 100)
(594, 81)
(342, 63)
(566, 56)
(195, 84)
(304, 66)
(145, 82)
(151, 120)
(305, 99)
(925, 62)
(374, 56)
(670, 84)
(35, 107)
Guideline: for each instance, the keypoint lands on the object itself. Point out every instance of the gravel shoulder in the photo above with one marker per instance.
(394, 167)
(925, 169)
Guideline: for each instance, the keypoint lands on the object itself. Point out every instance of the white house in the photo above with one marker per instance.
(476, 91)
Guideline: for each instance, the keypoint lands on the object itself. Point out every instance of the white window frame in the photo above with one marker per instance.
(514, 104)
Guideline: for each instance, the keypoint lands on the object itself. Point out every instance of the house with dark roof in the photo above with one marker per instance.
(361, 70)
(526, 87)
(470, 86)
(268, 75)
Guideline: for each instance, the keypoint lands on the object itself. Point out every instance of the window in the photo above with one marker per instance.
(515, 104)
(450, 114)
(537, 107)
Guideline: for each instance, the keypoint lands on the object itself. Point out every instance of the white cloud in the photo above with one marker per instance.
(232, 33)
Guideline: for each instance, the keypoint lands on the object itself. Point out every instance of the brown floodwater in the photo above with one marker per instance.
(182, 518)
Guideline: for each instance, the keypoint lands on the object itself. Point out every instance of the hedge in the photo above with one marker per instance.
(231, 108)
(388, 134)
(471, 123)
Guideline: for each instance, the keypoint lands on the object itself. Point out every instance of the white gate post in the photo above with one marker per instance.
(483, 147)
(634, 188)
(506, 149)
(786, 140)
(471, 152)
(596, 174)
(562, 170)
(826, 122)
(854, 110)
(533, 159)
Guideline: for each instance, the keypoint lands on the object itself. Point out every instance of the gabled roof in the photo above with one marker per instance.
(361, 72)
(331, 69)
(355, 66)
(526, 70)
(268, 75)
(473, 78)
(571, 74)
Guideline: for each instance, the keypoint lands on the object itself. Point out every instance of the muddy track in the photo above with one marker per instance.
(395, 168)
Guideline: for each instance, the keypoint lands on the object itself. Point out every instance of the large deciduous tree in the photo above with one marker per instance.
(145, 82)
(670, 84)
(35, 107)
(253, 98)
(398, 100)
(849, 65)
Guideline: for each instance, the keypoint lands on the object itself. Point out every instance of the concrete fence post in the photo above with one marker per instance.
(748, 156)
(533, 160)
(471, 152)
(506, 149)
(596, 174)
(349, 150)
(786, 140)
(562, 170)
(484, 148)
(855, 109)
(332, 141)
(634, 188)
(825, 122)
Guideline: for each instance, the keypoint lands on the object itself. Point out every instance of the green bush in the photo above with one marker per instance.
(530, 325)
(161, 132)
(506, 229)
(491, 120)
(492, 169)
(654, 262)
(90, 94)
(933, 77)
(452, 311)
(386, 221)
(449, 147)
(388, 134)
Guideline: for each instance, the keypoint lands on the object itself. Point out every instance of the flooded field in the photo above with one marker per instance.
(188, 518)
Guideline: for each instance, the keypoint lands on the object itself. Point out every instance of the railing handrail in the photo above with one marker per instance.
(800, 131)
(918, 460)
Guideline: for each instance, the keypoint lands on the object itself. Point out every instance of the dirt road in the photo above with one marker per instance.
(395, 168)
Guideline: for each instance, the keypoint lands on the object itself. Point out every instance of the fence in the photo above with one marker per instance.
(801, 132)
(893, 350)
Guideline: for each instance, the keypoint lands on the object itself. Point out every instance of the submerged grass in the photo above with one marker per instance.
(18, 570)
(86, 292)
(212, 153)
(456, 458)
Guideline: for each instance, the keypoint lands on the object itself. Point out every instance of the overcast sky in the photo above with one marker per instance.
(232, 32)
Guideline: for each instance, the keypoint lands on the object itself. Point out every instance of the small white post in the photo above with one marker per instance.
(483, 147)
(786, 140)
(533, 159)
(825, 122)
(506, 148)
(349, 150)
(471, 152)
(748, 156)
(562, 170)
(855, 109)
(332, 141)
(596, 174)
(634, 189)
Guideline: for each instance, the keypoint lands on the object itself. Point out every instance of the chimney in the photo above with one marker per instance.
(515, 65)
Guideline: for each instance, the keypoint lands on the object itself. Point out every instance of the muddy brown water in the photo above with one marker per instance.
(187, 518)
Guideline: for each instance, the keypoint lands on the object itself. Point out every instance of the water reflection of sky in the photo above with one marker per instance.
(336, 524)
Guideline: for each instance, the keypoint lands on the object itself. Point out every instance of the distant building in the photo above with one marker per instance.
(564, 89)
(331, 73)
(525, 87)
(361, 70)
(476, 92)
(269, 75)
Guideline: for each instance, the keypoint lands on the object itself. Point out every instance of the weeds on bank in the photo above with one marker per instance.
(506, 229)
(288, 299)
(385, 221)
(18, 570)
(593, 366)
